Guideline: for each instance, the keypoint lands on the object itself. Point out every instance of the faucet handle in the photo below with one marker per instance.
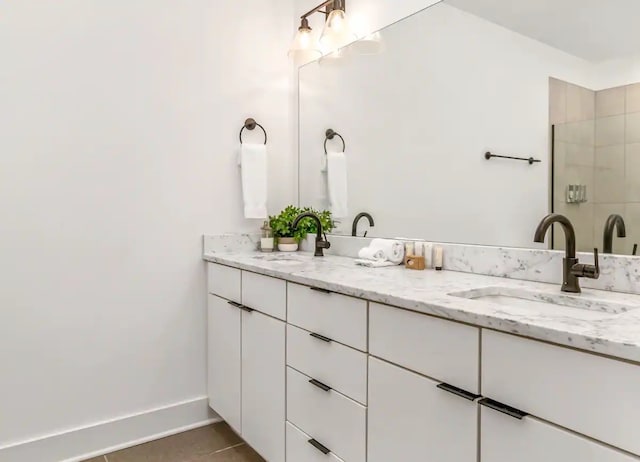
(596, 269)
(587, 271)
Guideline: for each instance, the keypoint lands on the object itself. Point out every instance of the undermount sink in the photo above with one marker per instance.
(579, 305)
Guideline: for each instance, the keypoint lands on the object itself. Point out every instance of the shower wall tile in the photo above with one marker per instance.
(610, 131)
(558, 99)
(581, 103)
(609, 175)
(632, 173)
(582, 133)
(633, 98)
(610, 102)
(633, 128)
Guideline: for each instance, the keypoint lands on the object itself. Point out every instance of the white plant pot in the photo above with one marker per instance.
(287, 244)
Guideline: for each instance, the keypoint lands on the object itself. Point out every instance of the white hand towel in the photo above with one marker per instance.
(367, 253)
(253, 160)
(337, 183)
(375, 263)
(393, 250)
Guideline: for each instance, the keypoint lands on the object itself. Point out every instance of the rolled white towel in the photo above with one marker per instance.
(393, 250)
(385, 250)
(368, 253)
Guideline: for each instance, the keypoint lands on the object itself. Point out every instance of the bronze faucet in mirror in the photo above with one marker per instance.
(572, 268)
(617, 222)
(361, 215)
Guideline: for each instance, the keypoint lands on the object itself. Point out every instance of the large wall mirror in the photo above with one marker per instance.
(553, 80)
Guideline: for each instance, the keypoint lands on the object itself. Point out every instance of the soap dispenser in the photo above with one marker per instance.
(266, 241)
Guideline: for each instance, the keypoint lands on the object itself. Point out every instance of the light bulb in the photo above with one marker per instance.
(337, 31)
(303, 48)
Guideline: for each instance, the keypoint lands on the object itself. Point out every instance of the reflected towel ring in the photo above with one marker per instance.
(251, 124)
(329, 135)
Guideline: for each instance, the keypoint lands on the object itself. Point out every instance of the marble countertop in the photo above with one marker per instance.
(429, 292)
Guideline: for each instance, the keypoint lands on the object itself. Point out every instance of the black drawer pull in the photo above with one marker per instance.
(235, 304)
(496, 406)
(321, 337)
(318, 289)
(458, 391)
(323, 449)
(246, 308)
(320, 385)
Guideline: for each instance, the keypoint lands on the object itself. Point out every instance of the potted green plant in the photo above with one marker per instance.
(289, 238)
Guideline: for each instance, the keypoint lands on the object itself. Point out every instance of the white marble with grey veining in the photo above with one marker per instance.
(429, 292)
(618, 273)
(231, 242)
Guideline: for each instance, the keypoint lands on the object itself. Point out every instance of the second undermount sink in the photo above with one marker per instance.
(582, 306)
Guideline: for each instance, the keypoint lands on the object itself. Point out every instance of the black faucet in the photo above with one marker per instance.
(572, 269)
(361, 215)
(321, 243)
(614, 221)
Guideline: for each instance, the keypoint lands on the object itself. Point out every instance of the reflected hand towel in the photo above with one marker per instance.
(337, 183)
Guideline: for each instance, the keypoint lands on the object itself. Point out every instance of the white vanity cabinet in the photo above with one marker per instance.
(326, 374)
(223, 360)
(411, 419)
(246, 357)
(424, 407)
(588, 394)
(306, 374)
(507, 439)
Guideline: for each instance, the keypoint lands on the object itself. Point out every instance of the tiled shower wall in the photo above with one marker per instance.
(597, 143)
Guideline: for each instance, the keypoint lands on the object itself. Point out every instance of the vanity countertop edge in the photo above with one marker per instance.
(428, 292)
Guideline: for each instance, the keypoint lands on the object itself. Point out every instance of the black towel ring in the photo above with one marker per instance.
(329, 135)
(251, 124)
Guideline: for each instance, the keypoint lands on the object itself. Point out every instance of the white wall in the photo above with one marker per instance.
(418, 117)
(118, 131)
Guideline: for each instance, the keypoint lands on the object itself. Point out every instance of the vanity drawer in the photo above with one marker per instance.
(299, 449)
(443, 350)
(340, 367)
(336, 421)
(338, 317)
(589, 394)
(224, 282)
(265, 294)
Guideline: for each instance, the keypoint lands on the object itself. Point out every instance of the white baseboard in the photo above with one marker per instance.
(94, 440)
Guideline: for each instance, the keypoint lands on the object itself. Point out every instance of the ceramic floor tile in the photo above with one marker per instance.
(182, 447)
(241, 453)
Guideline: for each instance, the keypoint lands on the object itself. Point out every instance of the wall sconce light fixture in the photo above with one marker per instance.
(336, 33)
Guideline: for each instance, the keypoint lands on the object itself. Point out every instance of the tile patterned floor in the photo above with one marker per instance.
(214, 443)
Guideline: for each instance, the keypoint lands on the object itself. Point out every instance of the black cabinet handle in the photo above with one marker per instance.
(323, 449)
(458, 391)
(318, 289)
(320, 385)
(246, 308)
(321, 337)
(235, 304)
(508, 410)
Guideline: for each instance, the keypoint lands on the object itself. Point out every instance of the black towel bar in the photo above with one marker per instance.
(531, 160)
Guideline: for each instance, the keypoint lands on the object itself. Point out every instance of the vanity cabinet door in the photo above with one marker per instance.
(263, 384)
(506, 439)
(223, 368)
(411, 419)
